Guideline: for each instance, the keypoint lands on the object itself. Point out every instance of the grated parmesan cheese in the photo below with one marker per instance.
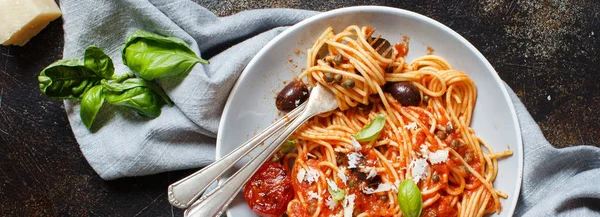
(342, 174)
(411, 126)
(312, 194)
(310, 175)
(370, 171)
(331, 203)
(349, 205)
(355, 144)
(424, 151)
(332, 185)
(353, 159)
(419, 169)
(301, 174)
(380, 188)
(438, 156)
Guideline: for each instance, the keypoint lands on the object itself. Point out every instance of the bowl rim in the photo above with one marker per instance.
(412, 15)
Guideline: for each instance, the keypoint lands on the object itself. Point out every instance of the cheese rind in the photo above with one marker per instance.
(23, 19)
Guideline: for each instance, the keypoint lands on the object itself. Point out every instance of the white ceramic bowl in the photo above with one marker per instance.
(251, 105)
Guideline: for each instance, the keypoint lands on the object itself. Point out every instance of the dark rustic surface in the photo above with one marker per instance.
(547, 52)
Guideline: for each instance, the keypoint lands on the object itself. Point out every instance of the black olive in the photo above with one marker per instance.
(389, 69)
(404, 92)
(291, 96)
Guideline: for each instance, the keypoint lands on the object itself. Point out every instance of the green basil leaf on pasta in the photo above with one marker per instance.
(156, 56)
(91, 102)
(410, 198)
(67, 79)
(98, 62)
(372, 130)
(337, 194)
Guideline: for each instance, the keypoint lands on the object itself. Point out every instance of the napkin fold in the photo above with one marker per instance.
(556, 182)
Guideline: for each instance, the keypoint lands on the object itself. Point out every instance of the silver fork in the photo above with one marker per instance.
(185, 191)
(214, 203)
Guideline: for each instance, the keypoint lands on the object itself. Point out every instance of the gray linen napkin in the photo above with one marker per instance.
(556, 182)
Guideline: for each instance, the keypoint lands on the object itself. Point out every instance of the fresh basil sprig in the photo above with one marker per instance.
(92, 81)
(410, 198)
(372, 130)
(156, 56)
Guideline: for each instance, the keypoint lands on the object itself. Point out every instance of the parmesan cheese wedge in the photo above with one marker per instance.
(20, 20)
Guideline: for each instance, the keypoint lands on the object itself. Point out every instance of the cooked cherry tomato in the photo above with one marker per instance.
(269, 190)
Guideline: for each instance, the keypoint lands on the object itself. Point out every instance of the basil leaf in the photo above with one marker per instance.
(155, 56)
(287, 146)
(141, 99)
(410, 198)
(137, 82)
(91, 102)
(336, 194)
(371, 131)
(67, 79)
(123, 77)
(98, 62)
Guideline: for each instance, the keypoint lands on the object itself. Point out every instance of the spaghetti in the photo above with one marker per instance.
(430, 142)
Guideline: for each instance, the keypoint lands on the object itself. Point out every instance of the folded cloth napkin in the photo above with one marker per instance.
(556, 182)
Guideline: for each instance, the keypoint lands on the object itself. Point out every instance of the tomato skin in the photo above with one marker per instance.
(269, 190)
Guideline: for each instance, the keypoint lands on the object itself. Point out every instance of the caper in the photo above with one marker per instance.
(383, 198)
(426, 99)
(440, 134)
(337, 78)
(348, 84)
(337, 59)
(455, 143)
(449, 128)
(468, 157)
(351, 183)
(328, 76)
(435, 177)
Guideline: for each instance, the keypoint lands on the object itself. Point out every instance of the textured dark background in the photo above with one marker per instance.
(547, 52)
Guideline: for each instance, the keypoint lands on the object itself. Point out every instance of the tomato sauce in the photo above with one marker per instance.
(402, 48)
(439, 208)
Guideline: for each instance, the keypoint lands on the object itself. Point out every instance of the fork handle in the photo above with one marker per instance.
(184, 192)
(217, 201)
